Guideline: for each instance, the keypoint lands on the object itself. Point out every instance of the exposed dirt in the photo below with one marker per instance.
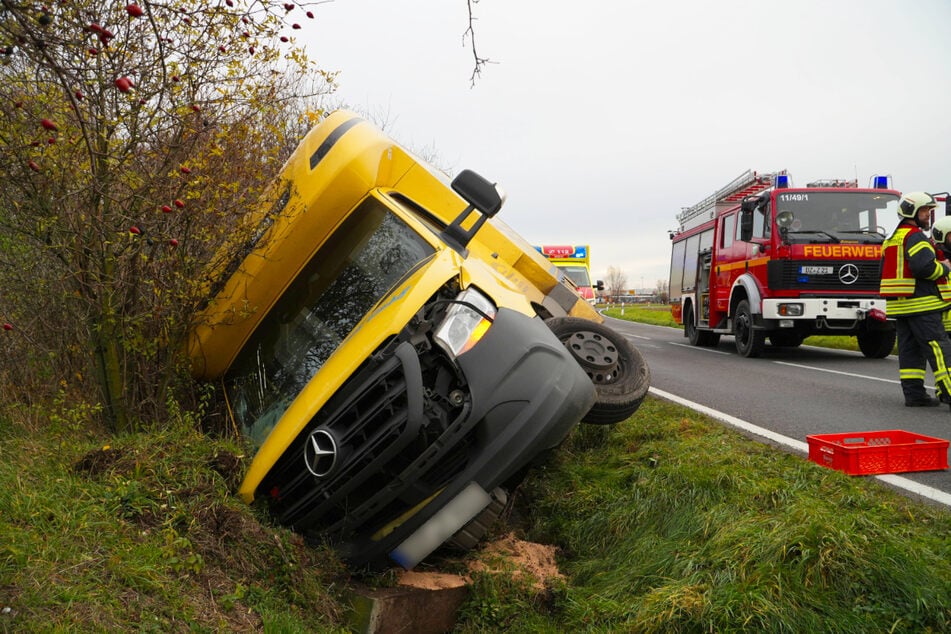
(98, 461)
(537, 561)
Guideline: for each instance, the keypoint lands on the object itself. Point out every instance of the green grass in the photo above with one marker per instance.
(667, 522)
(141, 533)
(670, 522)
(656, 314)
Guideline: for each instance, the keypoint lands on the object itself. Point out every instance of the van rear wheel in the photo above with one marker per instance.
(619, 373)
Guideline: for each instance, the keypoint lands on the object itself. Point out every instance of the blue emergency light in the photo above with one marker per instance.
(881, 182)
(782, 181)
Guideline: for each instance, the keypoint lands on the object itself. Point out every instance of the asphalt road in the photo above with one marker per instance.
(790, 393)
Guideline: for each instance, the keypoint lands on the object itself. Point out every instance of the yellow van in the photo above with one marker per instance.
(397, 355)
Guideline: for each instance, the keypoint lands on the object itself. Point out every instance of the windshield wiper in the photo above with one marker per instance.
(866, 232)
(831, 236)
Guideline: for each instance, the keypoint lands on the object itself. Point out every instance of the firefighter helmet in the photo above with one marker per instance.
(941, 229)
(910, 203)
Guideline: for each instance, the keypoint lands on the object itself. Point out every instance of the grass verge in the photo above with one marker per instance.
(142, 534)
(670, 522)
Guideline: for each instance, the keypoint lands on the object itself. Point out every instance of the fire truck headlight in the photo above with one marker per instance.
(790, 310)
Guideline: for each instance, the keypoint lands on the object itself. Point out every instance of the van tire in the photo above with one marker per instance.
(619, 373)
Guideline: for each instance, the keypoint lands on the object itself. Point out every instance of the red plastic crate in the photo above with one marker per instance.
(873, 452)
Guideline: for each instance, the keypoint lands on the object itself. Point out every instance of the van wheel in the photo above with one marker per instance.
(749, 342)
(620, 375)
(876, 344)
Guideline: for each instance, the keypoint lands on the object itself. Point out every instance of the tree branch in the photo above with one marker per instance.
(470, 34)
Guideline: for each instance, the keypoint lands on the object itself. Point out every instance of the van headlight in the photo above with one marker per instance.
(465, 323)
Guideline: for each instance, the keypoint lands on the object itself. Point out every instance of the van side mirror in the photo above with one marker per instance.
(599, 285)
(478, 192)
(482, 196)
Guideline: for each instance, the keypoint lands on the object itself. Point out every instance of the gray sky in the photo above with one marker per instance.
(602, 119)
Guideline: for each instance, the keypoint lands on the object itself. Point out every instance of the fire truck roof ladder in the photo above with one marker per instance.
(746, 184)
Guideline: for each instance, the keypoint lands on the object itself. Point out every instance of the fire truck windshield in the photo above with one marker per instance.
(835, 216)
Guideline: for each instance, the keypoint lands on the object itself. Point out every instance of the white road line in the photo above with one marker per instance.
(852, 374)
(930, 493)
(699, 349)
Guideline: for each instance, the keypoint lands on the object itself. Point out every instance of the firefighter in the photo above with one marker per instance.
(941, 237)
(910, 276)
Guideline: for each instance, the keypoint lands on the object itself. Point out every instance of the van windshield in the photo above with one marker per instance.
(360, 262)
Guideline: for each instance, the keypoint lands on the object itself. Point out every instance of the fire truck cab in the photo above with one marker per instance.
(762, 260)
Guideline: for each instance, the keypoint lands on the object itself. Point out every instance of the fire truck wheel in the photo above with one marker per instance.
(876, 344)
(749, 342)
(620, 375)
(786, 339)
(696, 337)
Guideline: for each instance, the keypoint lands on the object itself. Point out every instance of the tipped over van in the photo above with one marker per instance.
(395, 354)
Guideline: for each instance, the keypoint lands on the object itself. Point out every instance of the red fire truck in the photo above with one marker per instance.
(760, 259)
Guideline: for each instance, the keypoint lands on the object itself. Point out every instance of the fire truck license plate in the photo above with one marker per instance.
(815, 270)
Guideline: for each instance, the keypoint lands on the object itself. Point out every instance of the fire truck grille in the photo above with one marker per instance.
(825, 275)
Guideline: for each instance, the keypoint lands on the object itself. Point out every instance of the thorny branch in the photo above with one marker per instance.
(470, 34)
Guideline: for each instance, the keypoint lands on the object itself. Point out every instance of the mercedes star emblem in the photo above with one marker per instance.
(320, 453)
(849, 274)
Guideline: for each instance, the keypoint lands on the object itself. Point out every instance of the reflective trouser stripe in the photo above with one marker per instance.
(941, 378)
(922, 342)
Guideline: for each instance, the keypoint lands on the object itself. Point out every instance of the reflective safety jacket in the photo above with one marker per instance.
(942, 252)
(913, 279)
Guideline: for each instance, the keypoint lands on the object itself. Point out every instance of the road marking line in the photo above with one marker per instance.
(699, 348)
(930, 493)
(852, 374)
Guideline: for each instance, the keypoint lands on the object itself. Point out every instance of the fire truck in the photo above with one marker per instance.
(576, 264)
(760, 259)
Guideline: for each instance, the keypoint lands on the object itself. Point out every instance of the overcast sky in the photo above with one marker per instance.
(602, 119)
